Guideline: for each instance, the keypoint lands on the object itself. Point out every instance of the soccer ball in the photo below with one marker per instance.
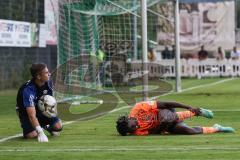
(48, 106)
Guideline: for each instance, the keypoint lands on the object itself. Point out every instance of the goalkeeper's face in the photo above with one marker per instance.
(44, 75)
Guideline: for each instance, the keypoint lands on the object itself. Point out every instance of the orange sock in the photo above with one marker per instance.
(184, 115)
(209, 130)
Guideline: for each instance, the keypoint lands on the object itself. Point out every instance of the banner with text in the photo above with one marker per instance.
(209, 24)
(15, 33)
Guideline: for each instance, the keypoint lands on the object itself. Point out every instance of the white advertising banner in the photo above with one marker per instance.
(208, 24)
(15, 33)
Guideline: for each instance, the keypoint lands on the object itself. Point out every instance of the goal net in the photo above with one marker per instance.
(100, 49)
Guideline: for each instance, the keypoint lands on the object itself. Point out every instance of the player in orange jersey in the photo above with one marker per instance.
(156, 117)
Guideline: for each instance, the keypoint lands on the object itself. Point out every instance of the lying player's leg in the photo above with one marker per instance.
(197, 112)
(167, 116)
(182, 128)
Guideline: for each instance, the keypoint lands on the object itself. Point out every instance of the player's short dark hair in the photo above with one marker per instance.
(37, 68)
(122, 125)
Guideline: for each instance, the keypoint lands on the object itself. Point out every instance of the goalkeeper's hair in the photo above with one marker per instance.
(122, 125)
(37, 68)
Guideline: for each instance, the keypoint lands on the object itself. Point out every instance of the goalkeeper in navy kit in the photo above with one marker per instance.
(32, 119)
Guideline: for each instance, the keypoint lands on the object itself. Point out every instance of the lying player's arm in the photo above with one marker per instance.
(170, 105)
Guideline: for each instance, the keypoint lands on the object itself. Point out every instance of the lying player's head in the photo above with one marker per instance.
(39, 71)
(126, 125)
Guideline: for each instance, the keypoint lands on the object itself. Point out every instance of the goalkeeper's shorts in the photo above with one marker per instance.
(27, 126)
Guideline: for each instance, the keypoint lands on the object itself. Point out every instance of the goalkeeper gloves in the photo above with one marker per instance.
(41, 135)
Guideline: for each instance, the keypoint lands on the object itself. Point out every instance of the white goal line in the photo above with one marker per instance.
(121, 149)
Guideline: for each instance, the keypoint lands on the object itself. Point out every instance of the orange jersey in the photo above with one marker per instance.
(146, 114)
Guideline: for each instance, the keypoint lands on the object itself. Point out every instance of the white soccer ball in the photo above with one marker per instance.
(100, 101)
(48, 106)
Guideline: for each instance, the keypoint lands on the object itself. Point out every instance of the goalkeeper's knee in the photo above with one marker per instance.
(57, 130)
(54, 129)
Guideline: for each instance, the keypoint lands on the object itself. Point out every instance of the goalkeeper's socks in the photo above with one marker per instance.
(185, 115)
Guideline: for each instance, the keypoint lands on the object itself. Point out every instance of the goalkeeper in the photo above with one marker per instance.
(155, 117)
(31, 118)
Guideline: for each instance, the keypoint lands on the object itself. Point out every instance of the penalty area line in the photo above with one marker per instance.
(184, 90)
(126, 107)
(10, 137)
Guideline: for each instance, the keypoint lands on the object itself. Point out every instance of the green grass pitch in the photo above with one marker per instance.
(97, 139)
